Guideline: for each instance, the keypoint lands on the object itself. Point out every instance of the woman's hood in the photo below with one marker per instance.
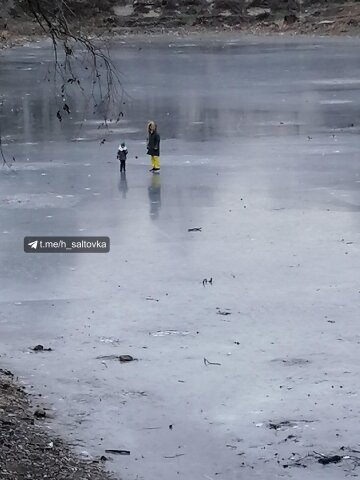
(151, 124)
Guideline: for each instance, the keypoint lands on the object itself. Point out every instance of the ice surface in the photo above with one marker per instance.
(260, 150)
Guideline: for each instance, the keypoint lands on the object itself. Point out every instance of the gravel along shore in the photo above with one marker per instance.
(29, 452)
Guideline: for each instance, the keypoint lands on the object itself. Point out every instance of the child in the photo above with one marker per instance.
(121, 155)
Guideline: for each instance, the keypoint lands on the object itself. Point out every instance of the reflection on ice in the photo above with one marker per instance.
(155, 195)
(123, 186)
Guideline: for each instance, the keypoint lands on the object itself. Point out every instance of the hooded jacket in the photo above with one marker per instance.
(153, 143)
(122, 153)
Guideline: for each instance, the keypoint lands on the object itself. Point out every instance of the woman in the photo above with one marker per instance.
(153, 146)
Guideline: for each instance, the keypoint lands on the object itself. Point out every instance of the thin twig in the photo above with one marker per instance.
(206, 362)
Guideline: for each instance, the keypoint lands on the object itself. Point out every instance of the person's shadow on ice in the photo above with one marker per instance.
(154, 191)
(123, 186)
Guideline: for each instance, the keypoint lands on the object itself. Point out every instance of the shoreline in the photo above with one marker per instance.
(22, 40)
(12, 37)
(334, 19)
(28, 451)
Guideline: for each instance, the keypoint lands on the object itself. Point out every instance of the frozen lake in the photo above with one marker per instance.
(260, 149)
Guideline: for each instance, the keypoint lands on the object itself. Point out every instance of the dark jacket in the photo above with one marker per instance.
(122, 153)
(153, 146)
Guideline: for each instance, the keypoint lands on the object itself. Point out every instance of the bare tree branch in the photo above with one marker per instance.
(78, 60)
